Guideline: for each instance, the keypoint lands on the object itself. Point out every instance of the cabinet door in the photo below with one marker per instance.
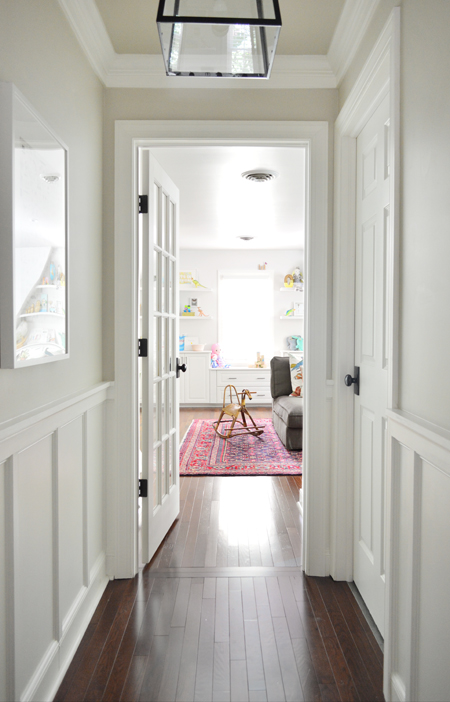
(196, 385)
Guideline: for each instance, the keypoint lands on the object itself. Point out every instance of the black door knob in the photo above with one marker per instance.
(349, 380)
(182, 368)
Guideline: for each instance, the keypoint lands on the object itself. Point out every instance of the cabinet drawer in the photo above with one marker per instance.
(230, 377)
(262, 396)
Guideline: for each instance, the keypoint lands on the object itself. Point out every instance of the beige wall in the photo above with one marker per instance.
(196, 104)
(425, 201)
(39, 54)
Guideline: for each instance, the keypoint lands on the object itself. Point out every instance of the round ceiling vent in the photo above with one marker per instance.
(260, 175)
(51, 178)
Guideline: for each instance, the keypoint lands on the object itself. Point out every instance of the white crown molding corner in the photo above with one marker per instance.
(147, 71)
(90, 31)
(289, 72)
(353, 23)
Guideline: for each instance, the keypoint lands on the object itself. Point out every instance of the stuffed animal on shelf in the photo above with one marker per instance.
(295, 343)
(216, 357)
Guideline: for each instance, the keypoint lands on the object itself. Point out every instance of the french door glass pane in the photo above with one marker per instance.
(156, 465)
(163, 220)
(162, 348)
(156, 345)
(156, 413)
(171, 288)
(163, 408)
(163, 468)
(163, 283)
(156, 228)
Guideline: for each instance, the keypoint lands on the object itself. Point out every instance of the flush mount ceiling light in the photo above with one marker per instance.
(246, 238)
(260, 175)
(219, 38)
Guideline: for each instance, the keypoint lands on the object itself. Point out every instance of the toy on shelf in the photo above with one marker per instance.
(181, 342)
(295, 343)
(197, 284)
(259, 361)
(187, 312)
(294, 279)
(201, 313)
(262, 266)
(216, 357)
(290, 312)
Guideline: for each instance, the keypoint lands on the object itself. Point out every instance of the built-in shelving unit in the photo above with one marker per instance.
(291, 316)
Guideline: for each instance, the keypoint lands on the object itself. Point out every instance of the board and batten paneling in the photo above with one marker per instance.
(52, 539)
(418, 567)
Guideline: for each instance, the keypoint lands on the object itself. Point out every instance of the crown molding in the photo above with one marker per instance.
(147, 71)
(353, 23)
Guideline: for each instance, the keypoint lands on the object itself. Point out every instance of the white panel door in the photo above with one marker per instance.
(372, 232)
(159, 324)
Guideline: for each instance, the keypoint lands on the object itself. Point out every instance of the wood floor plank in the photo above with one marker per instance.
(150, 619)
(155, 668)
(237, 638)
(191, 541)
(213, 535)
(248, 599)
(188, 662)
(271, 663)
(167, 608)
(306, 672)
(221, 675)
(86, 668)
(203, 524)
(291, 681)
(134, 680)
(181, 603)
(290, 607)
(275, 599)
(205, 657)
(257, 696)
(222, 622)
(354, 616)
(209, 589)
(239, 681)
(169, 682)
(330, 693)
(255, 669)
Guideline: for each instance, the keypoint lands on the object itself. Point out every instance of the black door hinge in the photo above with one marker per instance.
(142, 348)
(143, 204)
(143, 488)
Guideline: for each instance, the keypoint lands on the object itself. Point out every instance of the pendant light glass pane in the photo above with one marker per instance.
(236, 39)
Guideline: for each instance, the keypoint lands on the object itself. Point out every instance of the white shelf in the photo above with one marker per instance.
(291, 316)
(53, 287)
(43, 314)
(185, 288)
(195, 318)
(293, 289)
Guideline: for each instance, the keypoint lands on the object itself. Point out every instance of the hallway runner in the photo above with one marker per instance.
(204, 453)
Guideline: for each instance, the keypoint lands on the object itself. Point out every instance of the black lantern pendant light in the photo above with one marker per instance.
(219, 38)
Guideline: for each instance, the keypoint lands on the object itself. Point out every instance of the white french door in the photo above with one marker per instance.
(158, 392)
(371, 355)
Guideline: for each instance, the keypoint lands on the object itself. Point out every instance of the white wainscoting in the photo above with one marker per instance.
(418, 564)
(52, 539)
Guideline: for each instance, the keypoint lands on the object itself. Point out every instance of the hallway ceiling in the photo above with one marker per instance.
(308, 25)
(318, 41)
(217, 205)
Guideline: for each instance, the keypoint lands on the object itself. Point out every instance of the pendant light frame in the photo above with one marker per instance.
(166, 28)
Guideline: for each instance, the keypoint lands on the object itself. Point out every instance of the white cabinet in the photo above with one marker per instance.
(256, 380)
(194, 384)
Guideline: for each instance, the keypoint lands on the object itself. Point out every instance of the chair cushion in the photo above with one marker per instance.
(280, 377)
(289, 410)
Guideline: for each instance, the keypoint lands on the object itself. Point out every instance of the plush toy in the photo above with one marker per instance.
(216, 357)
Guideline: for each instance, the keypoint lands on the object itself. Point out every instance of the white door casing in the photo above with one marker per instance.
(371, 357)
(130, 136)
(160, 392)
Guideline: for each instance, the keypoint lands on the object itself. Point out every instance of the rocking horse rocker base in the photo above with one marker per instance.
(233, 410)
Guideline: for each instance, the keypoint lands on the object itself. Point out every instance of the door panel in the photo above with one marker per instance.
(160, 402)
(371, 344)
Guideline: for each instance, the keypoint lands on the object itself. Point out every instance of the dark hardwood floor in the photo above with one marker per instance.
(224, 612)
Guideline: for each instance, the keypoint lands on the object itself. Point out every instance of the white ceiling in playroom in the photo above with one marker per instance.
(217, 205)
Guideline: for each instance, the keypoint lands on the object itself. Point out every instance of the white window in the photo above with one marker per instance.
(245, 315)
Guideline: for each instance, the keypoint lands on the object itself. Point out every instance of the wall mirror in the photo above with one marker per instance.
(34, 237)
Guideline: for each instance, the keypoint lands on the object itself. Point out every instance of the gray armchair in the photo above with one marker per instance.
(287, 412)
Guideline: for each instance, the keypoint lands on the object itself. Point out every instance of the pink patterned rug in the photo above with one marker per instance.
(204, 453)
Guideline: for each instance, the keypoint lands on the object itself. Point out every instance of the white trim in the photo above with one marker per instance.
(377, 79)
(129, 136)
(349, 33)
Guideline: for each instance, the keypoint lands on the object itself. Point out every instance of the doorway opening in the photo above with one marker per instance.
(239, 240)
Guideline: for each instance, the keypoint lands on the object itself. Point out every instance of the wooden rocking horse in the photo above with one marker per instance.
(233, 410)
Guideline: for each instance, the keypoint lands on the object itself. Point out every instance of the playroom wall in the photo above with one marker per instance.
(207, 263)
